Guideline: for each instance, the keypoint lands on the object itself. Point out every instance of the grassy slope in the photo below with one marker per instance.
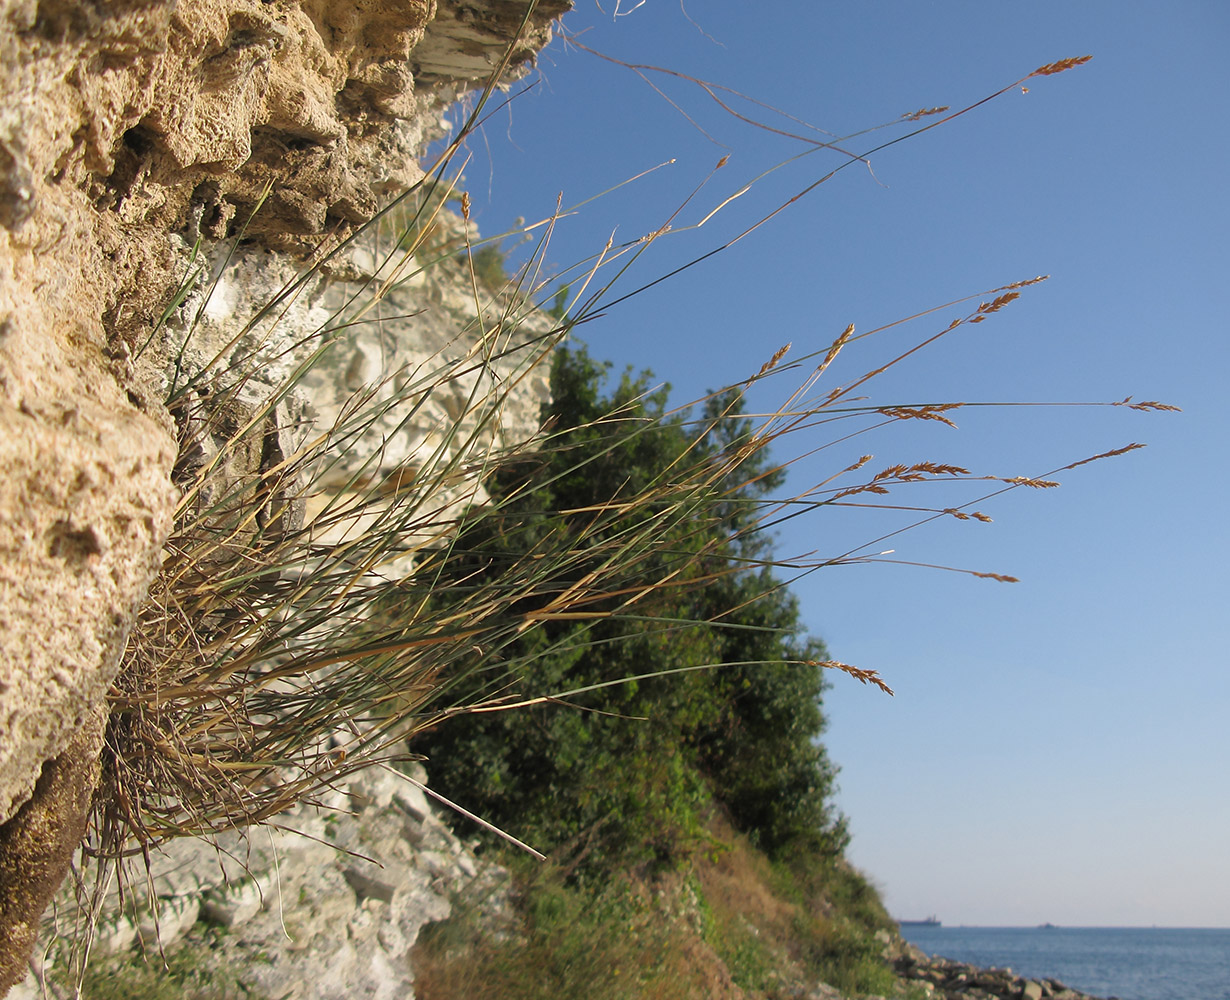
(659, 886)
(726, 923)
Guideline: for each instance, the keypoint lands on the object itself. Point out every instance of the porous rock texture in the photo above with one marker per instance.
(129, 131)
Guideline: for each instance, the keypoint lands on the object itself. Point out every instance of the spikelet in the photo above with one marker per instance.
(1050, 69)
(998, 303)
(919, 470)
(892, 472)
(1148, 404)
(933, 411)
(960, 515)
(865, 488)
(995, 305)
(1039, 484)
(914, 116)
(835, 348)
(769, 365)
(1000, 577)
(858, 673)
(900, 474)
(1026, 283)
(1106, 454)
(939, 469)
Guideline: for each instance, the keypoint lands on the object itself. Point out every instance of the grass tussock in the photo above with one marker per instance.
(316, 609)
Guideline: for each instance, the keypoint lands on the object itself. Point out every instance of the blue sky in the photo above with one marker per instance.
(1058, 749)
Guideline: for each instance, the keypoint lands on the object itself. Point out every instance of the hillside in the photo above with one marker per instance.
(693, 801)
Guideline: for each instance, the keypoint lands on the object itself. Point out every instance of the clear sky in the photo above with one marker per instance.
(1057, 749)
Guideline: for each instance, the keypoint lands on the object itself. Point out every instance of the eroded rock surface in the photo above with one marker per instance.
(326, 907)
(129, 131)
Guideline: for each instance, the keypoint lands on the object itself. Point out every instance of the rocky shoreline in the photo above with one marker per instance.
(951, 980)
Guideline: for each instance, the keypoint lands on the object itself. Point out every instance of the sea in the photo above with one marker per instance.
(1131, 963)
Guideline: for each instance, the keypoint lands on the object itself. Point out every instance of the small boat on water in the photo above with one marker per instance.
(931, 921)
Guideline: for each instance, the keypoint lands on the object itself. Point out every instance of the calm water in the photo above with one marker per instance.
(1133, 963)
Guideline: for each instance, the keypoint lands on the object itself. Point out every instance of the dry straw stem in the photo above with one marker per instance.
(267, 664)
(815, 139)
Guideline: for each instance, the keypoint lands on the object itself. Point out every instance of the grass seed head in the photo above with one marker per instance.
(914, 116)
(1050, 69)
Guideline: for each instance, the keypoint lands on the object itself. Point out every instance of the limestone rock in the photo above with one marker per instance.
(120, 125)
(129, 131)
(327, 905)
(84, 508)
(961, 981)
(466, 40)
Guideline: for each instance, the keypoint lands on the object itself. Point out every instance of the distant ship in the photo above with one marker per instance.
(931, 921)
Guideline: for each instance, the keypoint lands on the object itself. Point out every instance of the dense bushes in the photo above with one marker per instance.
(624, 774)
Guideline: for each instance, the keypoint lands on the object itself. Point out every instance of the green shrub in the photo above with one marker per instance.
(638, 762)
(488, 264)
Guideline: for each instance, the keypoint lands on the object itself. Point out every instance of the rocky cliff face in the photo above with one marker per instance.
(326, 906)
(132, 131)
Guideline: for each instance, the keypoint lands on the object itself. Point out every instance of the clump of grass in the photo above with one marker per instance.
(609, 945)
(836, 953)
(280, 651)
(729, 925)
(270, 632)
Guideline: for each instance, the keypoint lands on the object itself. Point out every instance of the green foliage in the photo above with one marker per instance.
(559, 304)
(837, 953)
(850, 891)
(840, 916)
(488, 264)
(190, 972)
(741, 947)
(633, 766)
(607, 945)
(805, 878)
